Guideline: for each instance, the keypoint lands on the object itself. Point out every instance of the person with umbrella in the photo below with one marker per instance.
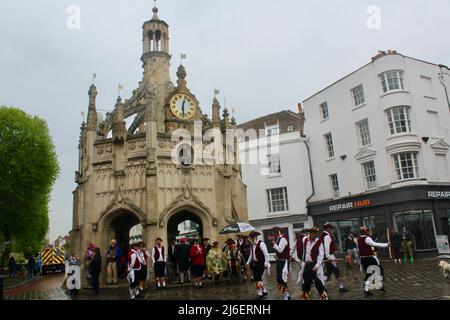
(259, 258)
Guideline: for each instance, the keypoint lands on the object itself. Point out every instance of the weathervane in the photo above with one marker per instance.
(216, 92)
(120, 88)
(94, 75)
(182, 56)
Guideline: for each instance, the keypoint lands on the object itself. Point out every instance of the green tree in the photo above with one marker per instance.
(28, 170)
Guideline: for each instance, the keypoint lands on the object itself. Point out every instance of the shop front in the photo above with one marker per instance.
(424, 210)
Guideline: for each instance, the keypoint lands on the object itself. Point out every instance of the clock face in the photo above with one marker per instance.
(182, 106)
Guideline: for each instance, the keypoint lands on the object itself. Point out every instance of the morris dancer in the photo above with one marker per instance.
(368, 258)
(259, 258)
(134, 267)
(312, 258)
(282, 254)
(329, 250)
(159, 263)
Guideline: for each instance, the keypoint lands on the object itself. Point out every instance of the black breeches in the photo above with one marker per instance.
(309, 276)
(280, 267)
(258, 270)
(366, 262)
(332, 269)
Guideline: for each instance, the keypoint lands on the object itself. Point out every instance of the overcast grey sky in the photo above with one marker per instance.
(264, 56)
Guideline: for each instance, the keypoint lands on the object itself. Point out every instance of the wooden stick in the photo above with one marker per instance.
(389, 243)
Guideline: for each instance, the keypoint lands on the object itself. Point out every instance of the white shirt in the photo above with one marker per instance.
(327, 241)
(263, 248)
(135, 255)
(370, 242)
(308, 246)
(161, 258)
(282, 244)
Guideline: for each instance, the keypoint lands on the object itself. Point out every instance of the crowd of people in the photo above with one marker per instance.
(247, 257)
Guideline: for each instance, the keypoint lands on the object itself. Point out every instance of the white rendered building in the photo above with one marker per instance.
(379, 147)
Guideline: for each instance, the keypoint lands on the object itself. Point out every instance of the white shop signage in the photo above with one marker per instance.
(442, 244)
(438, 194)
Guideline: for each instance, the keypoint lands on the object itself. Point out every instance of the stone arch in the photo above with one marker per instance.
(203, 214)
(116, 223)
(207, 221)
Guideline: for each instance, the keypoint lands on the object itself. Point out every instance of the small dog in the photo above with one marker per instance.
(445, 268)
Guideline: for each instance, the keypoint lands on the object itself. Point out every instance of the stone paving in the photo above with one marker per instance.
(421, 281)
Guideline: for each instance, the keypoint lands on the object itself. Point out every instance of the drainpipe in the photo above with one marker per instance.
(311, 173)
(441, 78)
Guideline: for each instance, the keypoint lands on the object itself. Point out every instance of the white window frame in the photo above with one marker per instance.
(364, 132)
(274, 164)
(290, 128)
(329, 145)
(324, 111)
(370, 174)
(272, 130)
(282, 197)
(392, 80)
(399, 117)
(334, 184)
(358, 95)
(399, 170)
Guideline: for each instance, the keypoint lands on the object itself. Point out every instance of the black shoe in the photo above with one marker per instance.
(368, 293)
(265, 293)
(342, 290)
(383, 289)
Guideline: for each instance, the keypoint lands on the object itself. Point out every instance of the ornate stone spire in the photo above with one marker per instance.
(226, 119)
(92, 113)
(119, 129)
(216, 113)
(181, 74)
(233, 121)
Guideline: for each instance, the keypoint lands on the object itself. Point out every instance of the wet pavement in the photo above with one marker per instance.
(421, 281)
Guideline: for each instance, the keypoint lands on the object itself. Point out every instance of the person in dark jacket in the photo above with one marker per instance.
(350, 248)
(31, 266)
(172, 265)
(95, 269)
(396, 242)
(12, 266)
(183, 260)
(407, 244)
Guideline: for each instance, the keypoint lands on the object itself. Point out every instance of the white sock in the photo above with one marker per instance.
(182, 277)
(164, 283)
(341, 285)
(366, 286)
(159, 284)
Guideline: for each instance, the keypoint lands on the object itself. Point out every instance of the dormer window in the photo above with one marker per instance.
(272, 130)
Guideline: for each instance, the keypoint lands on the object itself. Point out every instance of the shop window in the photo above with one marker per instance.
(341, 230)
(421, 225)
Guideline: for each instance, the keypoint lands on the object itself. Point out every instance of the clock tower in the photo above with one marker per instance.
(127, 175)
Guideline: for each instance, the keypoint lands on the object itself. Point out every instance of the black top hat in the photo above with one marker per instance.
(328, 225)
(254, 234)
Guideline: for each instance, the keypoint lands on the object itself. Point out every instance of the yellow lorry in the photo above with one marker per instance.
(53, 260)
